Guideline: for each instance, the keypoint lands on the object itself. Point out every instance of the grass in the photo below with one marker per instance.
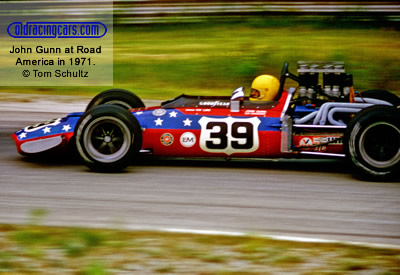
(163, 61)
(54, 250)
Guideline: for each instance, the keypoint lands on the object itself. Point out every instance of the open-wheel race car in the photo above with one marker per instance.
(327, 120)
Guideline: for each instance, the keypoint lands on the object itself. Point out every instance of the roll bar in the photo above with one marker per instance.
(285, 74)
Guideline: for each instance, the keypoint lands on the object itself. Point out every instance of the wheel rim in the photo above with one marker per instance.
(107, 139)
(380, 145)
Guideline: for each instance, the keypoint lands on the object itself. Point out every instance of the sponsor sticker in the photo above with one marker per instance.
(306, 142)
(214, 103)
(309, 141)
(188, 139)
(255, 112)
(159, 112)
(167, 139)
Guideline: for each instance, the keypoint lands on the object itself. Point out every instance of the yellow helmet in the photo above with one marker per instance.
(264, 87)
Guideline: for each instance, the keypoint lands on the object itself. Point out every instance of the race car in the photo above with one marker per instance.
(313, 119)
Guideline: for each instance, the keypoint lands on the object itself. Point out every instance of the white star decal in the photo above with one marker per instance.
(138, 113)
(23, 135)
(158, 122)
(66, 128)
(173, 114)
(187, 122)
(46, 130)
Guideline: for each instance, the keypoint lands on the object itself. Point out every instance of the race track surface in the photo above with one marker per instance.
(307, 198)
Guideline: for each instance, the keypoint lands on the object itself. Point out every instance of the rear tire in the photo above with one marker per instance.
(107, 138)
(372, 142)
(118, 97)
(382, 95)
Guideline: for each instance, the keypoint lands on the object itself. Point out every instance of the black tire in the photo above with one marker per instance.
(119, 97)
(372, 143)
(382, 95)
(108, 138)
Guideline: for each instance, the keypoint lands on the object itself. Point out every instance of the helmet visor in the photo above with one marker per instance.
(254, 93)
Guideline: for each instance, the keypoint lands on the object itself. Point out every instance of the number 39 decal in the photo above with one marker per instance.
(229, 135)
(41, 125)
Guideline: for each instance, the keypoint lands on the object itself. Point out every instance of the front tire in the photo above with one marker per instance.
(107, 138)
(372, 142)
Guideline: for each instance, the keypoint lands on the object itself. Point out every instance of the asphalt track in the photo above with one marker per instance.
(308, 198)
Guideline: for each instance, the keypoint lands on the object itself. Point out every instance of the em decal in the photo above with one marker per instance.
(167, 139)
(188, 139)
(229, 135)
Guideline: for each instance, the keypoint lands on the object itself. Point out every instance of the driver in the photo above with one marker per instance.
(264, 88)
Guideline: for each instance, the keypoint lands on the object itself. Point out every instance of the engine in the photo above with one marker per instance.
(336, 84)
